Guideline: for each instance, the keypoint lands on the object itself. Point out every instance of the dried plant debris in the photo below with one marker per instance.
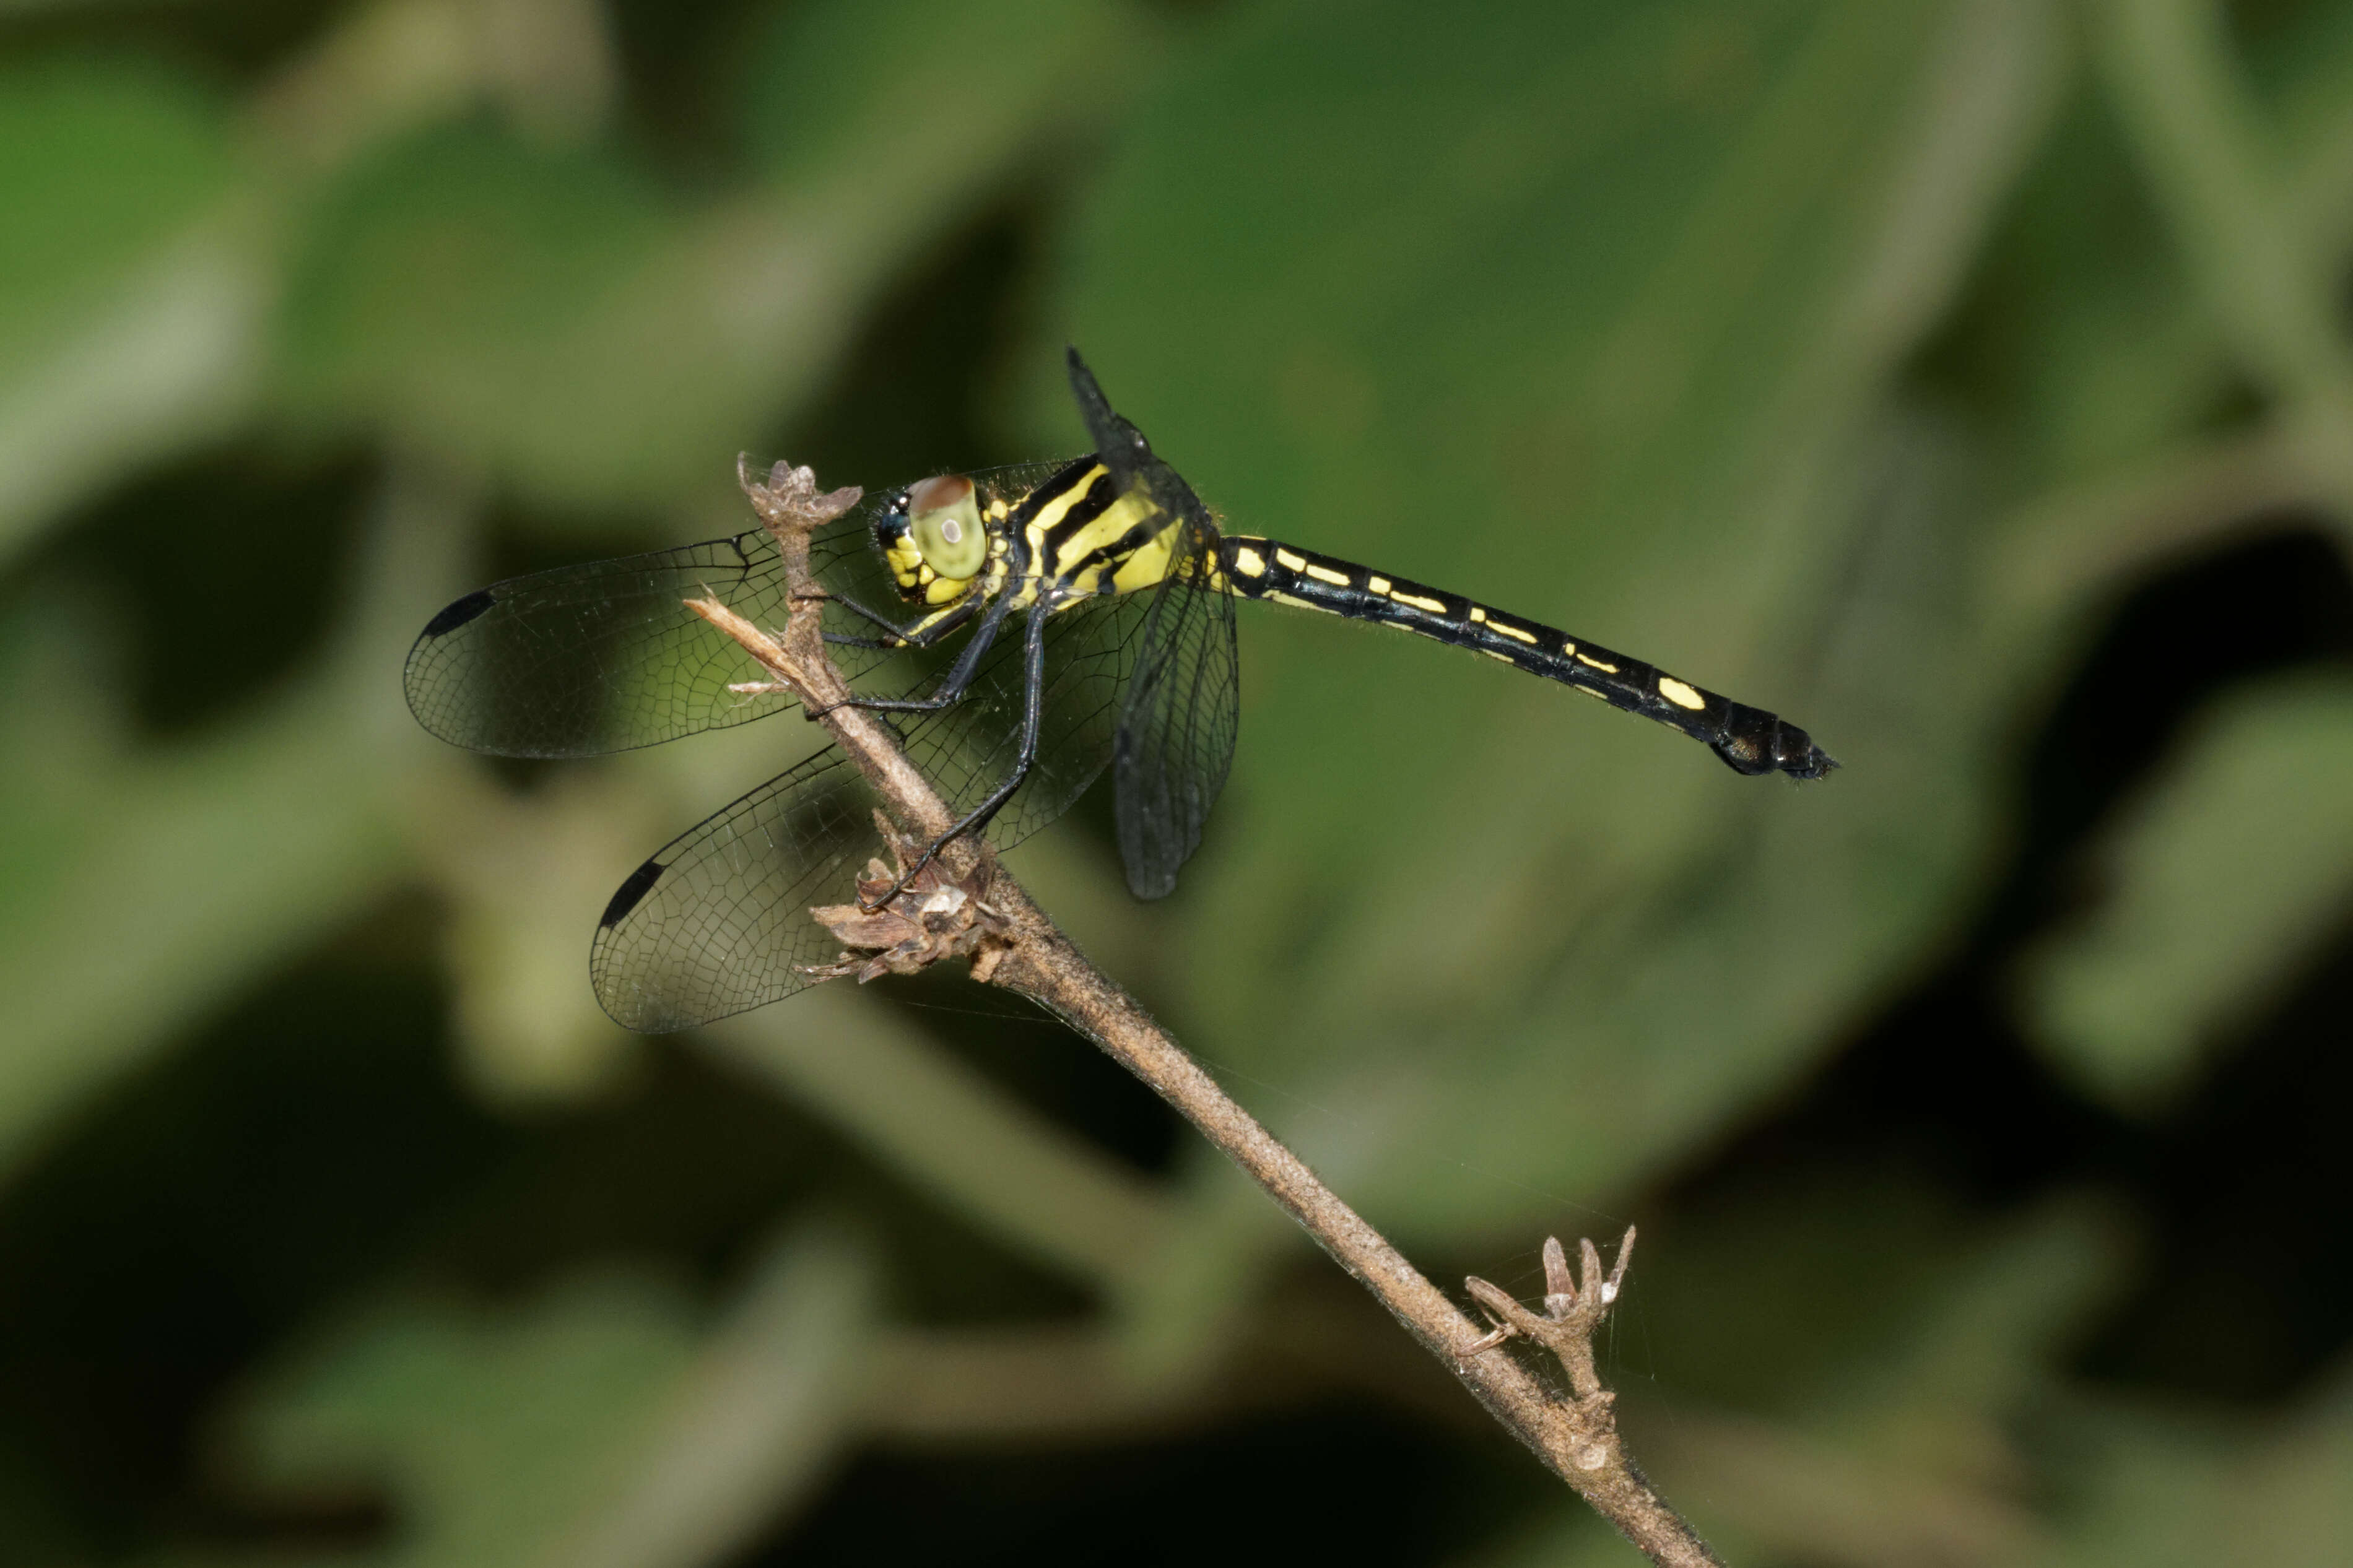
(788, 499)
(936, 916)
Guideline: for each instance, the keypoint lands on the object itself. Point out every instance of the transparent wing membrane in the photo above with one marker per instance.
(1180, 719)
(717, 922)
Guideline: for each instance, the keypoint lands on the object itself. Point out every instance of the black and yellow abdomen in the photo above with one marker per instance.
(1749, 740)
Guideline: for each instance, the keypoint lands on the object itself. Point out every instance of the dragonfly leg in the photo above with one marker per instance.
(915, 634)
(1033, 703)
(950, 689)
(899, 636)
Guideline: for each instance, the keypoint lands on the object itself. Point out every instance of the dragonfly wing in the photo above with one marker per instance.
(717, 922)
(605, 656)
(1174, 743)
(1177, 725)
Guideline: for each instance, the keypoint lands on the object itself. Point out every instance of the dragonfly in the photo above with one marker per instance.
(1022, 630)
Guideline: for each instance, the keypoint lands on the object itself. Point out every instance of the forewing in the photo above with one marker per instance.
(605, 656)
(717, 922)
(1175, 742)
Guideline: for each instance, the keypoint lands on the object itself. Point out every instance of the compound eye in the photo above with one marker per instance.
(944, 515)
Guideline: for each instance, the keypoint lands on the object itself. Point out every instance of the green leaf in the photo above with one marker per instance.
(100, 166)
(837, 92)
(2222, 882)
(484, 296)
(129, 305)
(2083, 336)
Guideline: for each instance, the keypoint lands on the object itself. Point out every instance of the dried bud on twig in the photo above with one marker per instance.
(936, 916)
(788, 500)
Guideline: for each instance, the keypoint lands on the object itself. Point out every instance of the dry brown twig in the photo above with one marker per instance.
(964, 905)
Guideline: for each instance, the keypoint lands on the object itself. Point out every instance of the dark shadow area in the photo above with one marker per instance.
(2250, 1193)
(237, 44)
(1338, 1484)
(683, 64)
(224, 573)
(297, 1145)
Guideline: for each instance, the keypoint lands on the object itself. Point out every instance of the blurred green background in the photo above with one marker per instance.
(1967, 379)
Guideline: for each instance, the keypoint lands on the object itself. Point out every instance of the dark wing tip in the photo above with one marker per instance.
(630, 892)
(459, 613)
(1149, 881)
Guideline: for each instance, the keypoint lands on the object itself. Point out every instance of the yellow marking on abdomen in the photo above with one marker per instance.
(1499, 653)
(1681, 696)
(1597, 664)
(1379, 585)
(1515, 632)
(1434, 607)
(1289, 559)
(1283, 599)
(1325, 575)
(1479, 612)
(1249, 562)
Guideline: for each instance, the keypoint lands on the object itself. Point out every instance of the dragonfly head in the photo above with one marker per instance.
(931, 535)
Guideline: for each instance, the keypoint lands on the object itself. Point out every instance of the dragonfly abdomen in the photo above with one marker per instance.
(1749, 740)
